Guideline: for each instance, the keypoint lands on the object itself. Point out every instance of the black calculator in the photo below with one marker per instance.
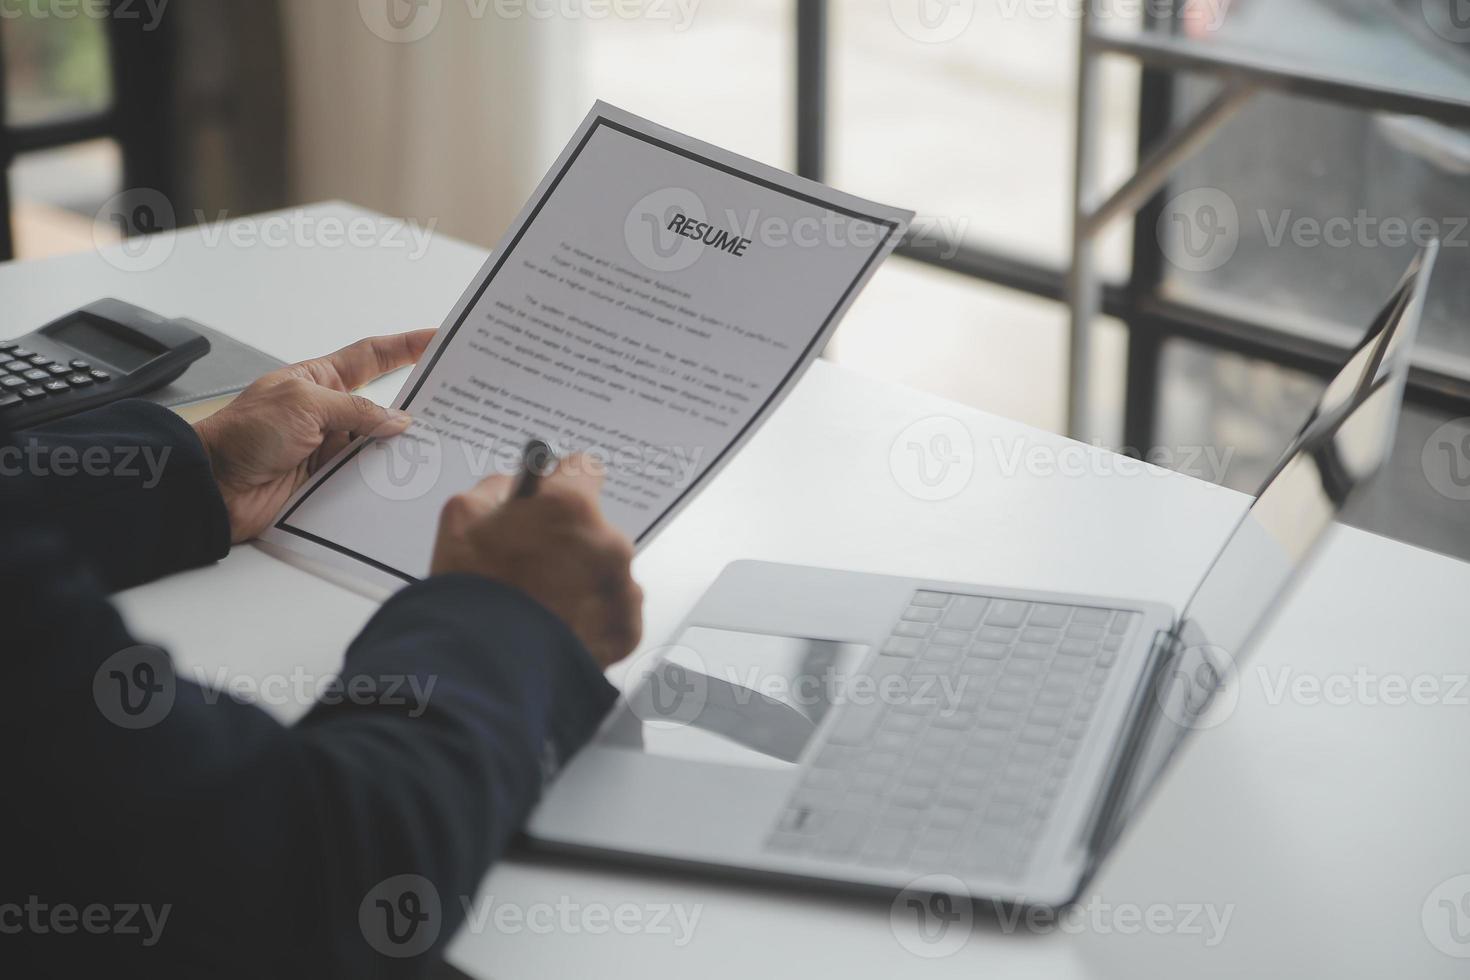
(103, 352)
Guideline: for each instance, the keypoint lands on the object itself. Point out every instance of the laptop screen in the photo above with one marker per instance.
(1345, 442)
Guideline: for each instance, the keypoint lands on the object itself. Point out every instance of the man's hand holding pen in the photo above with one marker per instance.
(543, 533)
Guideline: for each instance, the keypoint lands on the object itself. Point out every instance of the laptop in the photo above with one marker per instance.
(900, 734)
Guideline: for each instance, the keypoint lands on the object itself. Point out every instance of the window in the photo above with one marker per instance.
(999, 184)
(55, 68)
(57, 75)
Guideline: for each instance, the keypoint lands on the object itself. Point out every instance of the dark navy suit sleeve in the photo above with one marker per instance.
(153, 827)
(131, 486)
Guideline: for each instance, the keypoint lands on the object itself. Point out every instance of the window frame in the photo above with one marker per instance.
(1150, 318)
(140, 117)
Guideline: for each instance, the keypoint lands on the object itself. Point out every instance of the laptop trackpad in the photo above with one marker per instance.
(733, 698)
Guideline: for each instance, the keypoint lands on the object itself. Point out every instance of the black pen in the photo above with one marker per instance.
(537, 462)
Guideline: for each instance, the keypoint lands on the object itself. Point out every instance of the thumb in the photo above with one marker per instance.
(338, 411)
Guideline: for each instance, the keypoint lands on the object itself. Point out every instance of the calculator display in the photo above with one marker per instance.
(104, 345)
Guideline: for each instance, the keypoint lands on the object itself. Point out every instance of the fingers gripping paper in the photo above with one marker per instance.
(651, 306)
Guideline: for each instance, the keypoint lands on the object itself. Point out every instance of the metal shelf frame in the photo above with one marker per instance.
(1163, 145)
(1150, 317)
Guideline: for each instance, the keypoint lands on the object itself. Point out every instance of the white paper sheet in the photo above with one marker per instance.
(653, 303)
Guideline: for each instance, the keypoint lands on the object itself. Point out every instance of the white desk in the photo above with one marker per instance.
(1322, 828)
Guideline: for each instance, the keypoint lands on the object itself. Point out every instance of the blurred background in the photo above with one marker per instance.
(1227, 298)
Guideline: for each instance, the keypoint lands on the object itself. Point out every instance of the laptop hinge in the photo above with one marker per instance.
(1109, 809)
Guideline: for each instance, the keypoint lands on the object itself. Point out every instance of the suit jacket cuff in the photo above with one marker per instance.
(482, 635)
(131, 485)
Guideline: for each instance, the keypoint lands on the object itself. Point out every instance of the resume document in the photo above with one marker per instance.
(651, 305)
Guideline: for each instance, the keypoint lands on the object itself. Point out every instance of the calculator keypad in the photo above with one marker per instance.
(26, 376)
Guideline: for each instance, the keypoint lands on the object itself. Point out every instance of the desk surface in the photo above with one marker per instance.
(1328, 827)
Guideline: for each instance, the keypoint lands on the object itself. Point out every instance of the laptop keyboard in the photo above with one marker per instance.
(956, 741)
